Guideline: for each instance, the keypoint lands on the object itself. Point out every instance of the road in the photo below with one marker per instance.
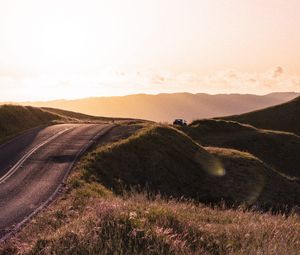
(34, 165)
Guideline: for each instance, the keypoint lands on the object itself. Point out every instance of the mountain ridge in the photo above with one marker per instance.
(281, 117)
(166, 107)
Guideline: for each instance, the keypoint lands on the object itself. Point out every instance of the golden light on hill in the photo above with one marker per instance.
(209, 163)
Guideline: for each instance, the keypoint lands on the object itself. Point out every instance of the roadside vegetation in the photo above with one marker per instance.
(157, 191)
(15, 119)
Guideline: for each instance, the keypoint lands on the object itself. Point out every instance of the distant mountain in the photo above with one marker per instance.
(167, 107)
(284, 117)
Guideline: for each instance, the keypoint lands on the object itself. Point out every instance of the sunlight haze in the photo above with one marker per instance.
(74, 49)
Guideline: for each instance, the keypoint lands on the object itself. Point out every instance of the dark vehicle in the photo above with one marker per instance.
(179, 122)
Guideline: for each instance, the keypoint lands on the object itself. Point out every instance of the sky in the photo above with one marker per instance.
(52, 49)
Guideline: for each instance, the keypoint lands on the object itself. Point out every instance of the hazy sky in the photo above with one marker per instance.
(77, 48)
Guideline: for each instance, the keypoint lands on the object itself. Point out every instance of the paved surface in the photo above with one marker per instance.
(34, 165)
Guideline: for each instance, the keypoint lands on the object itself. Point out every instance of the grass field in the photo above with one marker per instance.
(280, 150)
(214, 187)
(165, 160)
(96, 216)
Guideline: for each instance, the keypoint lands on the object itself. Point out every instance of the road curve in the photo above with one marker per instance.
(34, 165)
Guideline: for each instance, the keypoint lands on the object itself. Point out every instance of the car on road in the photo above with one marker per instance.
(180, 122)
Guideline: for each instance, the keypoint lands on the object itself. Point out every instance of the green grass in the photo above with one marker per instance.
(284, 117)
(255, 182)
(280, 150)
(162, 160)
(15, 119)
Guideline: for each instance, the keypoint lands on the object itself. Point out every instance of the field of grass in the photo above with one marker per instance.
(15, 119)
(96, 215)
(280, 150)
(214, 187)
(284, 117)
(165, 160)
(90, 220)
(254, 182)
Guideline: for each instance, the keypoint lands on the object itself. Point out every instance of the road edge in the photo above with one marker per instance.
(21, 224)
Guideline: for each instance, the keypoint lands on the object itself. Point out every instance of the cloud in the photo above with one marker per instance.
(64, 83)
(233, 81)
(109, 81)
(278, 71)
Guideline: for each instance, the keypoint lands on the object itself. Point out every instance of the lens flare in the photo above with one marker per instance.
(209, 163)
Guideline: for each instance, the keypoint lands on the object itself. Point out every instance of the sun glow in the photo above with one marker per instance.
(76, 48)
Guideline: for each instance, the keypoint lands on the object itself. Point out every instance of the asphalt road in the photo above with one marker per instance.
(34, 165)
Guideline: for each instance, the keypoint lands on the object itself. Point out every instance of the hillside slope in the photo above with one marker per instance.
(15, 119)
(285, 117)
(90, 219)
(164, 160)
(280, 150)
(80, 116)
(167, 107)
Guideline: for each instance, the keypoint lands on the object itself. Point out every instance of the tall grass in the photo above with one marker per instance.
(89, 218)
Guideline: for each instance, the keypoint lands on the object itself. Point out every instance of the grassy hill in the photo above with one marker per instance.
(167, 107)
(163, 160)
(15, 119)
(280, 150)
(101, 214)
(283, 117)
(80, 116)
(254, 181)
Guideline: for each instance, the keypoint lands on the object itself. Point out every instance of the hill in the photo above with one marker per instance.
(280, 150)
(163, 160)
(283, 117)
(81, 116)
(102, 212)
(167, 107)
(15, 119)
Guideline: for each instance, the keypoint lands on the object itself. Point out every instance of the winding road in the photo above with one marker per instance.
(34, 166)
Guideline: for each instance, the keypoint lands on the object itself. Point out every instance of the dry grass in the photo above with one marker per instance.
(89, 218)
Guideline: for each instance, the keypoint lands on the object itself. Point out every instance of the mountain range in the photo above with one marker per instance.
(167, 107)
